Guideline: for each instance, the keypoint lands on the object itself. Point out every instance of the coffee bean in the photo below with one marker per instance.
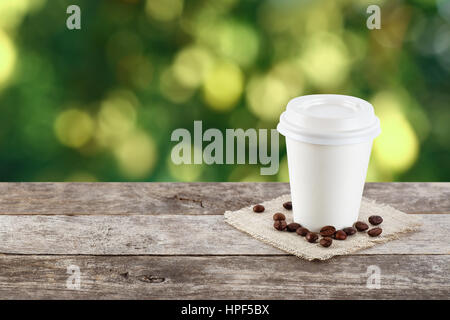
(375, 220)
(374, 232)
(279, 216)
(340, 235)
(326, 242)
(361, 226)
(327, 231)
(349, 231)
(280, 225)
(311, 237)
(258, 208)
(292, 227)
(302, 231)
(287, 205)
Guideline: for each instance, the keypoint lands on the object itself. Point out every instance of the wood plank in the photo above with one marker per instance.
(228, 277)
(416, 197)
(133, 198)
(173, 235)
(191, 198)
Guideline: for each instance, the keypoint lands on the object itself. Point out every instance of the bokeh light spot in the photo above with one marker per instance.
(267, 97)
(13, 12)
(7, 57)
(164, 10)
(325, 60)
(394, 25)
(397, 147)
(223, 86)
(375, 174)
(136, 155)
(323, 16)
(185, 172)
(191, 66)
(236, 41)
(291, 76)
(74, 128)
(116, 118)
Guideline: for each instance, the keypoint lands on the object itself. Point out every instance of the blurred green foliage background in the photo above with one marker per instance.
(100, 103)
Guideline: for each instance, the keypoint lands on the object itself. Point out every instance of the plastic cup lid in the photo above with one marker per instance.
(329, 119)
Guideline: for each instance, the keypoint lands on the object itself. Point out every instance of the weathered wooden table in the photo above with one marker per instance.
(170, 241)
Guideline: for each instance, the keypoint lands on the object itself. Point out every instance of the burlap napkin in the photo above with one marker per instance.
(260, 226)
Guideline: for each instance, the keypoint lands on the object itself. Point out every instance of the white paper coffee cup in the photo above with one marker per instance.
(328, 140)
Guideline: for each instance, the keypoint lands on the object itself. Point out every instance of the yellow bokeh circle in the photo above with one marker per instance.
(325, 60)
(267, 97)
(7, 57)
(396, 149)
(116, 118)
(74, 128)
(188, 172)
(223, 86)
(191, 66)
(136, 155)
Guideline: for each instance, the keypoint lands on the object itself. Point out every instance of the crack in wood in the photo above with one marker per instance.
(196, 201)
(151, 279)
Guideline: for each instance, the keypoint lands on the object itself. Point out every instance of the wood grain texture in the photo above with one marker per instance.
(415, 197)
(229, 277)
(174, 235)
(169, 241)
(190, 198)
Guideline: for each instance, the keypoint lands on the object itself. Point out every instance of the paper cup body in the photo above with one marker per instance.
(326, 182)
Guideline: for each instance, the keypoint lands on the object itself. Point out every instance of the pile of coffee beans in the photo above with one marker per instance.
(328, 233)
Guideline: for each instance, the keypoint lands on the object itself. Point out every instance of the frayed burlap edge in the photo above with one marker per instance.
(260, 226)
